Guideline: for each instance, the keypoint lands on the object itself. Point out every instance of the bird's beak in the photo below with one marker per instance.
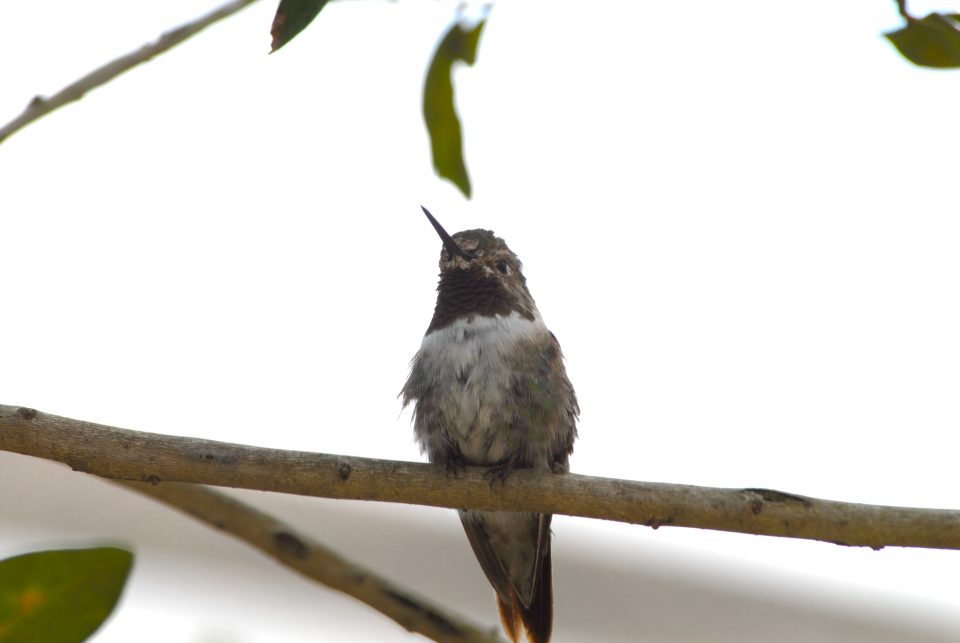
(452, 248)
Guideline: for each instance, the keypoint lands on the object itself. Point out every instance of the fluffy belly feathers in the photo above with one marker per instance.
(467, 377)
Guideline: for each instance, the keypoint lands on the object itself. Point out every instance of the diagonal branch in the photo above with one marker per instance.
(41, 106)
(132, 455)
(311, 559)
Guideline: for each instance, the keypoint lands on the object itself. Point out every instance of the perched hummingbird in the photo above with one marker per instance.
(490, 389)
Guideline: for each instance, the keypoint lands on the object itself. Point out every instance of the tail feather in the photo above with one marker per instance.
(510, 616)
(538, 618)
(495, 540)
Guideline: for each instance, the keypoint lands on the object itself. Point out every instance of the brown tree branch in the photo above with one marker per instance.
(149, 457)
(41, 106)
(313, 560)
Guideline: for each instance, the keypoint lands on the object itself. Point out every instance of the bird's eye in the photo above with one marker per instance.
(503, 267)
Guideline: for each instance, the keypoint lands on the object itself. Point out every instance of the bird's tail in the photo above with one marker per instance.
(510, 616)
(536, 620)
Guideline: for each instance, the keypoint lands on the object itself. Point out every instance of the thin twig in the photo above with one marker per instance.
(148, 457)
(902, 8)
(41, 106)
(315, 561)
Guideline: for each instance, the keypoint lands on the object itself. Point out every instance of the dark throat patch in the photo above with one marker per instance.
(464, 293)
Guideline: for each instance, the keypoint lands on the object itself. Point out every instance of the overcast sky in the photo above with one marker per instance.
(739, 218)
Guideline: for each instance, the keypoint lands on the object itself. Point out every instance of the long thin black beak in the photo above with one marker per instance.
(448, 242)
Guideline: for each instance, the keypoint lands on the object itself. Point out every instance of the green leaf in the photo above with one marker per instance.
(933, 41)
(292, 17)
(439, 112)
(60, 595)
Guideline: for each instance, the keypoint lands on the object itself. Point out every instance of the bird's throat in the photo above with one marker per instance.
(464, 294)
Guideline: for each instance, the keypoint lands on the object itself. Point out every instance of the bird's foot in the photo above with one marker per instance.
(500, 472)
(454, 467)
(453, 461)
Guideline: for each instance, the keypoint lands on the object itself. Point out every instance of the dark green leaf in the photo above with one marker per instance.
(61, 595)
(933, 41)
(292, 17)
(439, 111)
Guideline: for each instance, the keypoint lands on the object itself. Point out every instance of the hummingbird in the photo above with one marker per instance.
(489, 389)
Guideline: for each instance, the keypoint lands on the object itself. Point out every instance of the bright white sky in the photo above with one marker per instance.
(739, 218)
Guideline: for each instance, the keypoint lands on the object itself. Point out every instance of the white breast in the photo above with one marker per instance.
(468, 361)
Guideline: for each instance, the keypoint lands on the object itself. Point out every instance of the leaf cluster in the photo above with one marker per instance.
(459, 44)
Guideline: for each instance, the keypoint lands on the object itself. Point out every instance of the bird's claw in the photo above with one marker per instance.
(500, 472)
